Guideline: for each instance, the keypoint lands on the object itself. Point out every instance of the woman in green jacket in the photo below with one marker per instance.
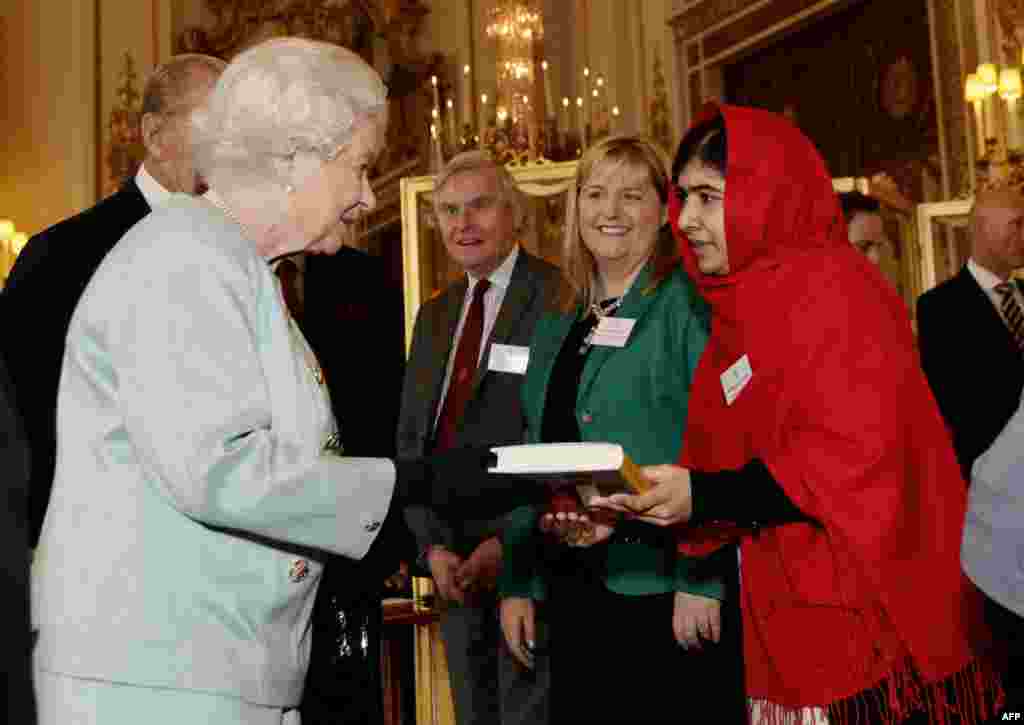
(625, 599)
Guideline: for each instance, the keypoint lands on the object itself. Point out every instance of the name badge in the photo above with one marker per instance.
(613, 331)
(735, 378)
(509, 359)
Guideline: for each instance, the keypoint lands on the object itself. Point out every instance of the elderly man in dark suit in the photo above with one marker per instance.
(469, 351)
(970, 348)
(14, 463)
(53, 269)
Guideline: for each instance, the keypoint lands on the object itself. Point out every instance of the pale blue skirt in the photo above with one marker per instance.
(65, 700)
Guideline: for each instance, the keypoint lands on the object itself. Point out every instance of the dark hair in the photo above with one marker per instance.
(854, 202)
(707, 142)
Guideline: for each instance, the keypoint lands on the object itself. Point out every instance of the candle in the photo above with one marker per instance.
(549, 100)
(466, 114)
(586, 96)
(979, 120)
(581, 122)
(615, 119)
(437, 100)
(484, 120)
(453, 137)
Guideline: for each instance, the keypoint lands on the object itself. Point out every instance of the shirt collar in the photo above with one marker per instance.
(502, 276)
(154, 194)
(985, 278)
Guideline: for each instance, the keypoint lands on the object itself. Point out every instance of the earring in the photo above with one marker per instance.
(289, 189)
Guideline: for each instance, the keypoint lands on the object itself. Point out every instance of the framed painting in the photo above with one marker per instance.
(426, 267)
(944, 239)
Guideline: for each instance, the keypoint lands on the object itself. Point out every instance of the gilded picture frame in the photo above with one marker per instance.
(942, 229)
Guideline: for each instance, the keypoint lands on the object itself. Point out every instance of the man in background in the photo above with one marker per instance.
(864, 224)
(456, 394)
(352, 315)
(969, 331)
(16, 631)
(53, 269)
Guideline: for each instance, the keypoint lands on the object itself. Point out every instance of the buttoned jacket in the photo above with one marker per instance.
(195, 486)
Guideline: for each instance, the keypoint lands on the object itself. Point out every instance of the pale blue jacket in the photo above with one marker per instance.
(193, 493)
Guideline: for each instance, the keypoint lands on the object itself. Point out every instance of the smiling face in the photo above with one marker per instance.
(702, 217)
(477, 222)
(339, 190)
(619, 214)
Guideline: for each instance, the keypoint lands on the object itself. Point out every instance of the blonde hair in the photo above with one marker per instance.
(476, 161)
(580, 267)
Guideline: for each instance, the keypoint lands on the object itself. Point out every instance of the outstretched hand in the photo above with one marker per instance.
(578, 528)
(669, 502)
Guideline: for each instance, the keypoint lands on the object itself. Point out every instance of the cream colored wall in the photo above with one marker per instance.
(49, 121)
(65, 64)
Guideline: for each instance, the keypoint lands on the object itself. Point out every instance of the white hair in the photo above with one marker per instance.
(476, 161)
(279, 110)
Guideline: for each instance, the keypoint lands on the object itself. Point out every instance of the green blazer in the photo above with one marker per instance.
(636, 396)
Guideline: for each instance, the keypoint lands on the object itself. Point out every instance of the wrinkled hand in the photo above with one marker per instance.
(517, 623)
(479, 573)
(578, 528)
(696, 619)
(443, 566)
(668, 503)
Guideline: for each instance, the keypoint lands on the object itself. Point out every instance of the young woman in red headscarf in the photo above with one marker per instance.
(813, 434)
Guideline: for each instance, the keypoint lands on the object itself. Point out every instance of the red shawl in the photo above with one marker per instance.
(871, 602)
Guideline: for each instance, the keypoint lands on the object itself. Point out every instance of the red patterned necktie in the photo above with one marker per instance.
(460, 385)
(1012, 312)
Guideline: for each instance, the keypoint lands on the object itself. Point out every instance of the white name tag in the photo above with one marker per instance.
(613, 331)
(509, 359)
(735, 378)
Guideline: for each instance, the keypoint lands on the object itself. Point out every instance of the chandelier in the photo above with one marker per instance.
(515, 21)
(520, 122)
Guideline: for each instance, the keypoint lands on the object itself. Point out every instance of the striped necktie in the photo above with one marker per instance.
(1012, 312)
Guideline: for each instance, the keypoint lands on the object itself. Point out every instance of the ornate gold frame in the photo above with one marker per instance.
(538, 180)
(951, 215)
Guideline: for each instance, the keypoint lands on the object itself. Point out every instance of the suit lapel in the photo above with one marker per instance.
(634, 307)
(518, 296)
(984, 309)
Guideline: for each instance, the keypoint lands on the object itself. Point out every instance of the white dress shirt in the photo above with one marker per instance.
(152, 191)
(493, 297)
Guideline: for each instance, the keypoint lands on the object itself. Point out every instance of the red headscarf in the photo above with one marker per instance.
(871, 597)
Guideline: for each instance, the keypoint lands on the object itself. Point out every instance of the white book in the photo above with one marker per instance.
(597, 469)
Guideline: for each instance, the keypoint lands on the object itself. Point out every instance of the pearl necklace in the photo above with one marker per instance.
(219, 204)
(312, 363)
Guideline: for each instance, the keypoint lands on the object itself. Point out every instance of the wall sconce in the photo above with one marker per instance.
(11, 244)
(997, 145)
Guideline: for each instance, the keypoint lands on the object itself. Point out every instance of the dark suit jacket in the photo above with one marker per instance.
(493, 415)
(14, 470)
(38, 300)
(973, 366)
(354, 322)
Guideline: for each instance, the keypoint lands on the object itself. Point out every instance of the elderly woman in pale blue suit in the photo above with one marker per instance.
(199, 473)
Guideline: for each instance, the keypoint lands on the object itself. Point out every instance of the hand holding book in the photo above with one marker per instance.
(668, 502)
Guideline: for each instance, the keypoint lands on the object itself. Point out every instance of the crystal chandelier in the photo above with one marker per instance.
(515, 20)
